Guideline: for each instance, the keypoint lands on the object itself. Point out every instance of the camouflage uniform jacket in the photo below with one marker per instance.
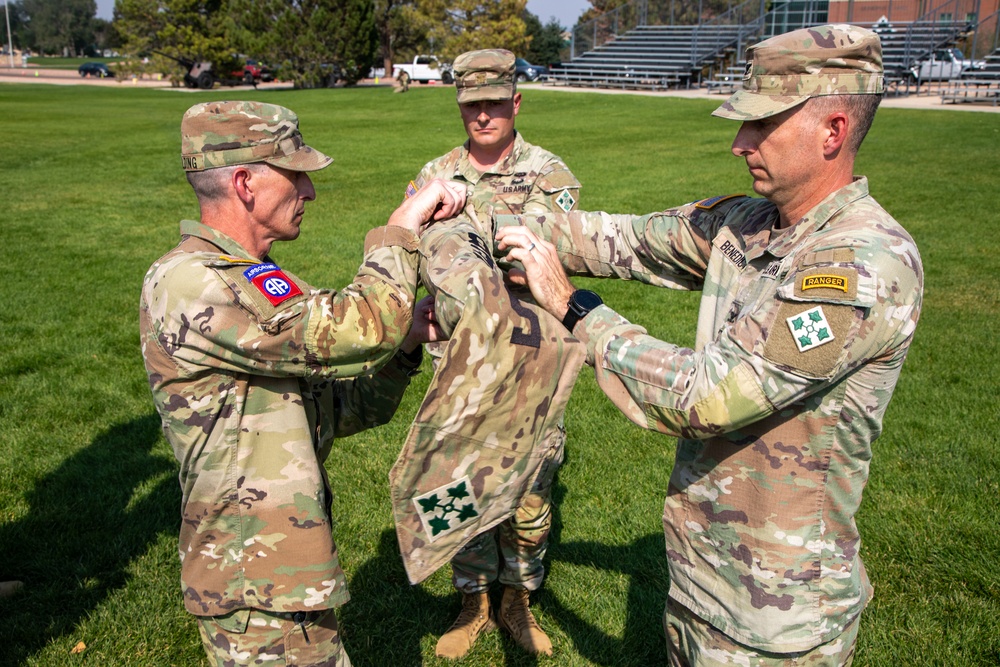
(529, 180)
(252, 388)
(801, 337)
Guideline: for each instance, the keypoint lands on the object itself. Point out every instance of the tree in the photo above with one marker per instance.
(546, 41)
(453, 27)
(600, 7)
(397, 30)
(311, 42)
(156, 32)
(59, 26)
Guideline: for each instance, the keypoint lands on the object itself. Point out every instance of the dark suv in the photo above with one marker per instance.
(99, 70)
(525, 71)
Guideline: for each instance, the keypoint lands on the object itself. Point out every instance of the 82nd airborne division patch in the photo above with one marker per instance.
(810, 329)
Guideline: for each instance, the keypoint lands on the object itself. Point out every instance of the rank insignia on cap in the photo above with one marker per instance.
(566, 201)
(810, 329)
(411, 190)
(447, 508)
(272, 283)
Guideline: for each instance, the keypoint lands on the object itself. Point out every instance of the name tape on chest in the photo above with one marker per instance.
(272, 283)
(733, 253)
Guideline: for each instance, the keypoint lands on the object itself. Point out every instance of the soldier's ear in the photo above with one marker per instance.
(837, 126)
(241, 182)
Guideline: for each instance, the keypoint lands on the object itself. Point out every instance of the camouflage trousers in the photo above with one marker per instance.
(521, 541)
(254, 637)
(692, 642)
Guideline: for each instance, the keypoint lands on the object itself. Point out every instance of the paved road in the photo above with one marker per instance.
(70, 77)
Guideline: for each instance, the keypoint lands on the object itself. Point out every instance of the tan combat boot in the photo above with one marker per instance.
(10, 588)
(476, 618)
(516, 618)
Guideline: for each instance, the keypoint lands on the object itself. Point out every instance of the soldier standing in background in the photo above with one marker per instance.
(810, 300)
(254, 373)
(504, 171)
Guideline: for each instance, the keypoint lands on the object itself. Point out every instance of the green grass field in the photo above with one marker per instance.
(92, 193)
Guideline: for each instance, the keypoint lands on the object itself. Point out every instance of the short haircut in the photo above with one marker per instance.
(212, 184)
(859, 108)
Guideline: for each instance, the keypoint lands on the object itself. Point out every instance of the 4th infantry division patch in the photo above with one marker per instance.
(810, 329)
(447, 508)
(566, 201)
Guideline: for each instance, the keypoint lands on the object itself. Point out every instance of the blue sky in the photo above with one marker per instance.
(566, 12)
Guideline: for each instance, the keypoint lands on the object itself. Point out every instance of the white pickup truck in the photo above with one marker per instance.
(424, 69)
(945, 64)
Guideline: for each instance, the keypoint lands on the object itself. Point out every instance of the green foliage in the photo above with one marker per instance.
(399, 35)
(57, 26)
(546, 41)
(304, 40)
(453, 27)
(89, 501)
(156, 33)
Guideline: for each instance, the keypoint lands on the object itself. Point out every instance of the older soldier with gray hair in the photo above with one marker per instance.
(254, 373)
(505, 172)
(810, 299)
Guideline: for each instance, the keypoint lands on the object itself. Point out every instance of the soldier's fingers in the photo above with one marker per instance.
(517, 276)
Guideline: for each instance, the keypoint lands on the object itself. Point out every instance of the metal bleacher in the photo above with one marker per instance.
(651, 44)
(650, 57)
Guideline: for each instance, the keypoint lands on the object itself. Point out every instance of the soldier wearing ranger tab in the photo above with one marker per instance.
(505, 172)
(811, 295)
(254, 373)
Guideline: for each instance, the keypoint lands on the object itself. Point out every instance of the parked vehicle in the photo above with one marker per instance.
(202, 74)
(945, 64)
(424, 69)
(99, 70)
(525, 71)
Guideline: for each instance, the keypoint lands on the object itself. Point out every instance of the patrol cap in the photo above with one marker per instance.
(786, 70)
(222, 134)
(484, 75)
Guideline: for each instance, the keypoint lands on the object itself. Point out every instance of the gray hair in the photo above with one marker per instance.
(859, 108)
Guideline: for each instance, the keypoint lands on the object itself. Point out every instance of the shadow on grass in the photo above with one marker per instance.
(88, 520)
(644, 562)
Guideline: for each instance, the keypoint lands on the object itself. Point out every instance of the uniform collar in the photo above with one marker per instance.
(784, 241)
(506, 166)
(215, 237)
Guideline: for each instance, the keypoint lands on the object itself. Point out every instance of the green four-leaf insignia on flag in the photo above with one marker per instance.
(566, 201)
(447, 508)
(810, 329)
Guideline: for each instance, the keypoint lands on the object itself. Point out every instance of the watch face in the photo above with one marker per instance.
(586, 300)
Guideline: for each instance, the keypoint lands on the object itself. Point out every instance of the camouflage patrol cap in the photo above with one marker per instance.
(788, 69)
(222, 134)
(484, 75)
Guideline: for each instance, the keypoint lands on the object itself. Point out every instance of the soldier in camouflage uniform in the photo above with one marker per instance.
(254, 373)
(810, 299)
(504, 171)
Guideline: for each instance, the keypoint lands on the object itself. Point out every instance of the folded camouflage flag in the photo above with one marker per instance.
(492, 411)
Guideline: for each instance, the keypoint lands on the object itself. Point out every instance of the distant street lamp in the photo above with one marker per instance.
(10, 43)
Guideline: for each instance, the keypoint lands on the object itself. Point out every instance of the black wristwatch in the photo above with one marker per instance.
(581, 302)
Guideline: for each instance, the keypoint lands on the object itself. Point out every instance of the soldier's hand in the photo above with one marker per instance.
(425, 327)
(436, 200)
(542, 273)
